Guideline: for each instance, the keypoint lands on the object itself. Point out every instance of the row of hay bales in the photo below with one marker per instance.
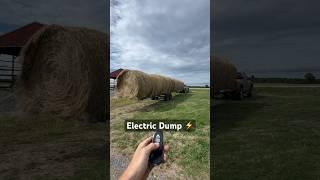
(64, 72)
(224, 74)
(137, 84)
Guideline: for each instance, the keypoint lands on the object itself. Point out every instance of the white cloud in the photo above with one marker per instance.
(164, 37)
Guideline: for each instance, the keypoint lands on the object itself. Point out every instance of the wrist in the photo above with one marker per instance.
(127, 175)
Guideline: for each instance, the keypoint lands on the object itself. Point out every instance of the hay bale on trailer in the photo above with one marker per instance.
(224, 74)
(156, 87)
(137, 84)
(64, 71)
(178, 86)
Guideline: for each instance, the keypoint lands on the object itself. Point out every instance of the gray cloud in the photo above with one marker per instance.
(165, 37)
(91, 14)
(267, 35)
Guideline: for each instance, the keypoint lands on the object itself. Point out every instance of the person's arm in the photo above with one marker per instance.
(139, 167)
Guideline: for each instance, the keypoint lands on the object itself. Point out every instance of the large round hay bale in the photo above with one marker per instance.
(133, 84)
(178, 86)
(137, 84)
(223, 73)
(64, 72)
(156, 86)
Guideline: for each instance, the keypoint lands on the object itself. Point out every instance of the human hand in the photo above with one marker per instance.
(139, 167)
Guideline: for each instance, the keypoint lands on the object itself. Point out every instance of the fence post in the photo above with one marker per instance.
(12, 70)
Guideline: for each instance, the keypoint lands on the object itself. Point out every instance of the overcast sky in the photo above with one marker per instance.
(268, 37)
(88, 13)
(165, 37)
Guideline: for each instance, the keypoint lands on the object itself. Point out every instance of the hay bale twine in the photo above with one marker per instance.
(64, 72)
(137, 84)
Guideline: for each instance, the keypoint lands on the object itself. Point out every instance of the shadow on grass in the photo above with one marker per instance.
(162, 106)
(228, 113)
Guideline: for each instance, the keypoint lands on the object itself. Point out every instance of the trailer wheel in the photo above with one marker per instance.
(250, 91)
(239, 94)
(165, 97)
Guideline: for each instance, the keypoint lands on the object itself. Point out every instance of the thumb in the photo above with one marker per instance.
(152, 146)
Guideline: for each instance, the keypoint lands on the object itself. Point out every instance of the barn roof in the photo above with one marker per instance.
(12, 42)
(115, 73)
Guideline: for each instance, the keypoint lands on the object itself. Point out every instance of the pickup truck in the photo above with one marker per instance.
(244, 85)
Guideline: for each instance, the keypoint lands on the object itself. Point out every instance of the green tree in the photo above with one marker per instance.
(310, 77)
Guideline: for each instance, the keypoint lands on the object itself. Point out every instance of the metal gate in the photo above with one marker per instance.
(9, 70)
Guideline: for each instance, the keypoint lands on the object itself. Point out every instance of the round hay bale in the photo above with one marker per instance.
(133, 84)
(178, 86)
(156, 87)
(137, 84)
(64, 72)
(223, 73)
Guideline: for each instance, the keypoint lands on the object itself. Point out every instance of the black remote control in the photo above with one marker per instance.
(156, 156)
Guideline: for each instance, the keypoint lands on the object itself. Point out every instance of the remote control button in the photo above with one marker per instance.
(157, 140)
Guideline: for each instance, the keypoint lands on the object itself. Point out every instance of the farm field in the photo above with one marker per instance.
(48, 148)
(189, 151)
(286, 85)
(273, 135)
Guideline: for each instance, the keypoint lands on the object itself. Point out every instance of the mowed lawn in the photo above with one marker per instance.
(273, 135)
(48, 148)
(188, 150)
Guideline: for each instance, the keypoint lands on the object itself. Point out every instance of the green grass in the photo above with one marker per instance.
(118, 102)
(273, 135)
(190, 150)
(42, 145)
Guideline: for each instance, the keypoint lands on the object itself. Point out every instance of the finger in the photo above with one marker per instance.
(145, 142)
(152, 146)
(165, 158)
(166, 148)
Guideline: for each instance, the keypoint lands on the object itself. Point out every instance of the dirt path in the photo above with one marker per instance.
(42, 148)
(27, 161)
(53, 159)
(118, 161)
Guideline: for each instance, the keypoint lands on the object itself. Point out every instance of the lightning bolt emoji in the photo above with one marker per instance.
(189, 125)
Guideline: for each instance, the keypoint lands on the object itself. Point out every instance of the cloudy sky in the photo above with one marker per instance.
(88, 13)
(165, 37)
(268, 37)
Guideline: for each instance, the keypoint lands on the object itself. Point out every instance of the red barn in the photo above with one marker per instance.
(12, 42)
(115, 74)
